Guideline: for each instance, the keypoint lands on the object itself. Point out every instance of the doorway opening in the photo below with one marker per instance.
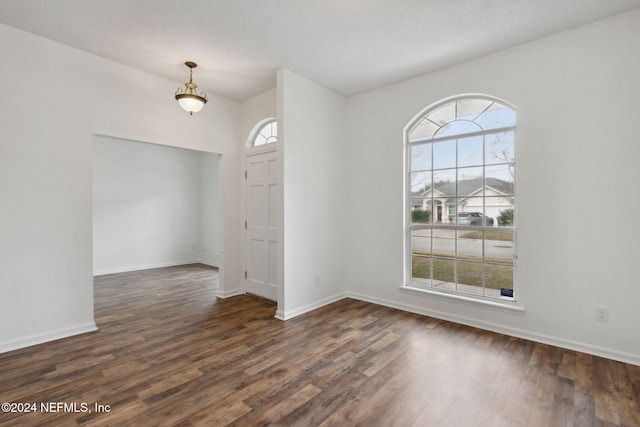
(154, 206)
(261, 211)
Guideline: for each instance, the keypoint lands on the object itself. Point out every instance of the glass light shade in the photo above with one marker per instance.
(191, 103)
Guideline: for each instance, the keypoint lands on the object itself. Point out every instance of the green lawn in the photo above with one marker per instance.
(469, 273)
(505, 236)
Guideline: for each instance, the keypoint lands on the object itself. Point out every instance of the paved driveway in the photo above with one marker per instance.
(445, 241)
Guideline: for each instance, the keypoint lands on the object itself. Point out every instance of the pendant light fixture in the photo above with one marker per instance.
(189, 98)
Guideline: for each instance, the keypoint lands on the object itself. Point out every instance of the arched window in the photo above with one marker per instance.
(266, 132)
(460, 198)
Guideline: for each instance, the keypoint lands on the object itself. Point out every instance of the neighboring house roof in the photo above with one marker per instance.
(469, 187)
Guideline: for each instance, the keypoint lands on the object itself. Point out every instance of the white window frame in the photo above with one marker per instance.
(263, 129)
(408, 283)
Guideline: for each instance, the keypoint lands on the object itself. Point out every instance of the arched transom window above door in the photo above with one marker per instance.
(266, 132)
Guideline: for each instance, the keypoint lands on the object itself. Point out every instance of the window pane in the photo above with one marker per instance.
(444, 183)
(497, 116)
(444, 154)
(499, 148)
(421, 270)
(421, 241)
(421, 212)
(498, 277)
(493, 206)
(444, 243)
(500, 179)
(451, 212)
(469, 245)
(470, 182)
(505, 217)
(458, 127)
(472, 216)
(416, 203)
(498, 246)
(444, 114)
(420, 157)
(438, 211)
(419, 203)
(470, 151)
(470, 277)
(469, 109)
(444, 273)
(423, 130)
(420, 182)
(460, 213)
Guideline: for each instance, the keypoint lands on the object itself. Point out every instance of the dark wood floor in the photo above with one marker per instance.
(169, 353)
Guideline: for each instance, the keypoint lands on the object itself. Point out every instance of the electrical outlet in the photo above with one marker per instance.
(602, 313)
(316, 279)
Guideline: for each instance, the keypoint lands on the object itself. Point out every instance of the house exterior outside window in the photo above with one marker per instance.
(460, 198)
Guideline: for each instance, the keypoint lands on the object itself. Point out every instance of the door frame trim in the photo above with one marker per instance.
(251, 152)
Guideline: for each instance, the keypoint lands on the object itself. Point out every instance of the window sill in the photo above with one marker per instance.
(503, 304)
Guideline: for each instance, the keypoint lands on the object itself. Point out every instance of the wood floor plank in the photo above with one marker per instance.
(169, 353)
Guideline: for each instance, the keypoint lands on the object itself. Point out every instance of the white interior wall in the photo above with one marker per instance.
(577, 98)
(313, 152)
(210, 210)
(153, 205)
(46, 278)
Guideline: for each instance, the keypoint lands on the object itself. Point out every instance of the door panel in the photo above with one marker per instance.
(262, 225)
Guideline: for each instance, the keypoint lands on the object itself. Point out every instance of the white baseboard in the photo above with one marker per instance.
(46, 337)
(229, 293)
(150, 266)
(607, 353)
(209, 263)
(282, 315)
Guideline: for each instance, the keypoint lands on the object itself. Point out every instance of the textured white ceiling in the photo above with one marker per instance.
(349, 46)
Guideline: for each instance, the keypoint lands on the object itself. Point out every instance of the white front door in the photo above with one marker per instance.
(262, 225)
